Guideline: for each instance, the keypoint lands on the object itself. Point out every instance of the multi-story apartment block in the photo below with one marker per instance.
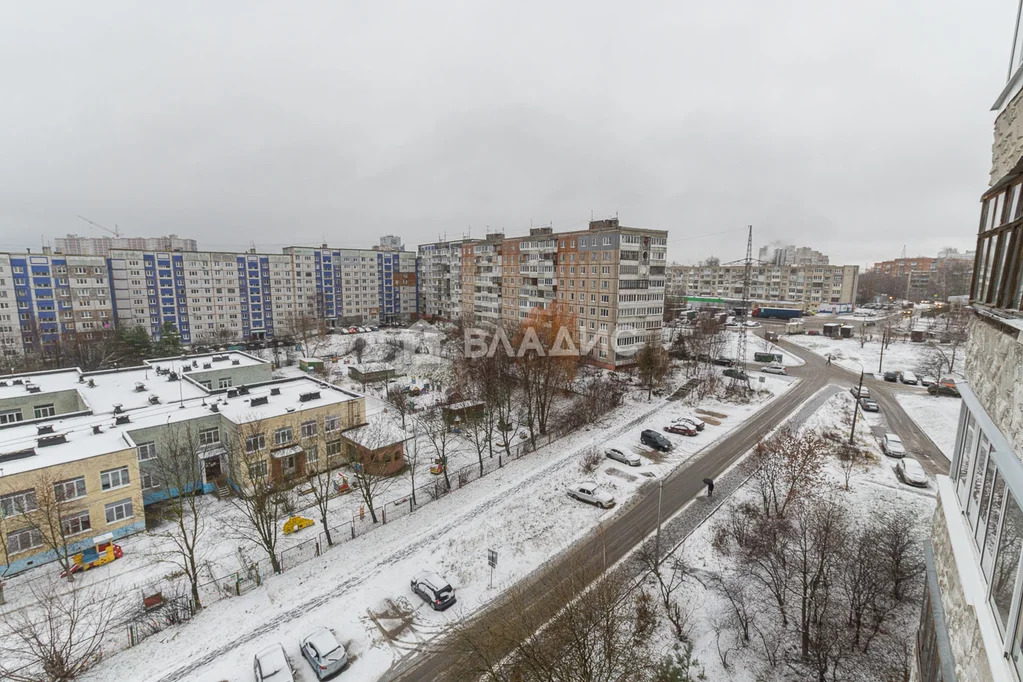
(91, 443)
(791, 255)
(608, 278)
(47, 295)
(809, 286)
(972, 619)
(73, 245)
(925, 277)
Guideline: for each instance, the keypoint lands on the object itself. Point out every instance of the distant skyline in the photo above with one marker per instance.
(854, 128)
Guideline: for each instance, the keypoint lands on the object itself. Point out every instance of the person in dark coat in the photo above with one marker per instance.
(710, 486)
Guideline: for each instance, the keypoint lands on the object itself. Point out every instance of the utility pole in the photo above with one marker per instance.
(856, 407)
(657, 540)
(740, 348)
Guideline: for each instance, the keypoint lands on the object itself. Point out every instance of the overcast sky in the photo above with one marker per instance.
(853, 127)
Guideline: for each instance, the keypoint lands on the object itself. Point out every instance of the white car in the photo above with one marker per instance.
(892, 445)
(909, 378)
(911, 473)
(273, 665)
(858, 392)
(692, 419)
(631, 458)
(587, 491)
(324, 653)
(774, 369)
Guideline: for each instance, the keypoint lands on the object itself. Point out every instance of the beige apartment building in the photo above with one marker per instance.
(809, 286)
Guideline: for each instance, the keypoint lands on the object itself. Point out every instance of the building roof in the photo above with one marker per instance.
(380, 430)
(372, 367)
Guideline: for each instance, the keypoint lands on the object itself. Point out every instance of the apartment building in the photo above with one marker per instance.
(971, 624)
(807, 285)
(926, 277)
(92, 442)
(74, 245)
(47, 295)
(790, 254)
(608, 278)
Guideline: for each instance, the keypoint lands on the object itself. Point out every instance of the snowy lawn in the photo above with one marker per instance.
(937, 417)
(361, 589)
(899, 356)
(874, 489)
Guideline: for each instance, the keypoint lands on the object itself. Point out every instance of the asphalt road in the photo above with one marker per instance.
(586, 560)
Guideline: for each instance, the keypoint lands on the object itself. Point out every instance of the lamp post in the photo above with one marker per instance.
(856, 406)
(657, 539)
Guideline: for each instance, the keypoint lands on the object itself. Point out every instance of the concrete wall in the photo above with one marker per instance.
(239, 374)
(960, 617)
(1008, 144)
(64, 402)
(95, 499)
(994, 367)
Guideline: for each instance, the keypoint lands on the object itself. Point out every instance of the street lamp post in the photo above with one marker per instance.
(856, 406)
(657, 540)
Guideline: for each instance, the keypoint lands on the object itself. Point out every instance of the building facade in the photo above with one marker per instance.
(73, 245)
(779, 254)
(972, 621)
(608, 278)
(810, 286)
(926, 277)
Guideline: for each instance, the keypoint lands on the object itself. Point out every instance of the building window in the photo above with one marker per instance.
(76, 523)
(146, 451)
(333, 448)
(10, 416)
(18, 503)
(149, 481)
(114, 478)
(43, 411)
(282, 436)
(312, 454)
(209, 436)
(24, 540)
(257, 469)
(69, 490)
(224, 383)
(308, 429)
(118, 511)
(254, 443)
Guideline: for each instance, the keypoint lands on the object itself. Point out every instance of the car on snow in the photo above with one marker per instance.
(928, 381)
(891, 375)
(947, 386)
(774, 369)
(892, 445)
(655, 440)
(630, 458)
(273, 665)
(869, 405)
(722, 360)
(909, 378)
(697, 423)
(681, 428)
(374, 329)
(587, 491)
(736, 373)
(858, 392)
(911, 473)
(434, 590)
(324, 653)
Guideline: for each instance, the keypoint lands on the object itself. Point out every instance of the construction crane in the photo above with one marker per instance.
(740, 379)
(116, 232)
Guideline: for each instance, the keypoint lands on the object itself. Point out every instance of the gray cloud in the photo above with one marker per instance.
(855, 128)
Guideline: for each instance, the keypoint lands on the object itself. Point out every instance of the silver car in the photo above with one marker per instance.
(589, 492)
(911, 473)
(324, 653)
(273, 665)
(892, 445)
(630, 458)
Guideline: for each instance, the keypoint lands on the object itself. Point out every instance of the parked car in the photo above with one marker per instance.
(911, 473)
(692, 419)
(324, 653)
(892, 445)
(859, 392)
(943, 389)
(681, 428)
(273, 665)
(353, 330)
(736, 373)
(774, 369)
(813, 332)
(434, 589)
(631, 458)
(909, 378)
(869, 405)
(343, 331)
(374, 329)
(655, 440)
(891, 375)
(928, 381)
(587, 491)
(722, 360)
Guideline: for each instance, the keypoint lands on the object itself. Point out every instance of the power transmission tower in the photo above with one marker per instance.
(740, 379)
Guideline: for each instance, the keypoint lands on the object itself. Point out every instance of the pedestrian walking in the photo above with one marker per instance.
(710, 486)
(829, 359)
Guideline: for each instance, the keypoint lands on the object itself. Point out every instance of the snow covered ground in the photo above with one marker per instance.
(937, 417)
(361, 589)
(874, 488)
(900, 355)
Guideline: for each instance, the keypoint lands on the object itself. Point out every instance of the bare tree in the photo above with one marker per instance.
(438, 434)
(848, 459)
(262, 499)
(652, 364)
(542, 370)
(401, 401)
(56, 509)
(786, 467)
(60, 636)
(900, 545)
(177, 469)
(738, 593)
(671, 575)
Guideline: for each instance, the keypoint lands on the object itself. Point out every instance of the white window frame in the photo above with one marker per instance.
(45, 410)
(35, 540)
(255, 443)
(204, 436)
(149, 480)
(146, 451)
(126, 507)
(112, 479)
(11, 416)
(279, 435)
(258, 469)
(308, 429)
(332, 423)
(76, 486)
(68, 523)
(17, 503)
